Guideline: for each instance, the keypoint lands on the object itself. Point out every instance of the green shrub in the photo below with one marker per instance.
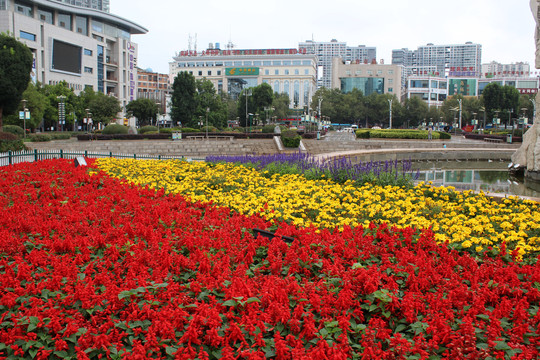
(39, 137)
(443, 135)
(14, 129)
(186, 130)
(169, 130)
(268, 129)
(147, 129)
(10, 142)
(115, 129)
(362, 134)
(60, 136)
(290, 139)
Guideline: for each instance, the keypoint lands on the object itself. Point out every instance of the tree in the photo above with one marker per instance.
(104, 108)
(263, 95)
(15, 67)
(183, 102)
(207, 99)
(144, 110)
(52, 92)
(281, 105)
(415, 111)
(493, 99)
(510, 101)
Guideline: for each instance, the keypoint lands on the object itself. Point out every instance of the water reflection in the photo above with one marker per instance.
(490, 177)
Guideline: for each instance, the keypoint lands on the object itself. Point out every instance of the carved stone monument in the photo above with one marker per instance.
(528, 155)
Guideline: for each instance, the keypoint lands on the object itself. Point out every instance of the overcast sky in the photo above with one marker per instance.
(505, 28)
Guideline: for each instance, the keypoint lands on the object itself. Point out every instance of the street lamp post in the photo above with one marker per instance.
(24, 116)
(207, 111)
(460, 101)
(248, 93)
(88, 121)
(319, 121)
(390, 104)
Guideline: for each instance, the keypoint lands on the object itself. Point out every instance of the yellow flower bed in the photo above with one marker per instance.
(473, 221)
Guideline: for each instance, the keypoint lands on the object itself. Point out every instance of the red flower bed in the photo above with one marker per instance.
(91, 267)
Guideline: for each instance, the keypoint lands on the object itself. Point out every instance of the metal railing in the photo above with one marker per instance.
(15, 157)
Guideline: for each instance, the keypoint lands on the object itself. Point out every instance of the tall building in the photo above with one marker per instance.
(441, 60)
(83, 47)
(102, 5)
(327, 51)
(287, 71)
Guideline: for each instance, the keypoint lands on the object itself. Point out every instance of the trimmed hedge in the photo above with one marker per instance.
(167, 135)
(9, 142)
(39, 137)
(290, 139)
(400, 134)
(147, 129)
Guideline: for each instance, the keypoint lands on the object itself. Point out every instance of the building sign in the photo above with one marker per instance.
(528, 91)
(242, 71)
(131, 71)
(465, 87)
(219, 52)
(462, 71)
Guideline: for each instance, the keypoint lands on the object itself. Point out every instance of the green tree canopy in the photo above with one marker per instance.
(144, 110)
(183, 101)
(208, 100)
(15, 67)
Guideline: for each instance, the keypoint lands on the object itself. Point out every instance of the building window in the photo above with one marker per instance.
(200, 73)
(370, 72)
(2, 4)
(286, 88)
(81, 24)
(306, 72)
(267, 62)
(266, 72)
(209, 72)
(379, 72)
(286, 71)
(348, 72)
(390, 90)
(64, 20)
(45, 15)
(87, 52)
(24, 9)
(27, 36)
(276, 72)
(390, 81)
(97, 26)
(358, 72)
(390, 72)
(276, 87)
(296, 72)
(219, 72)
(88, 70)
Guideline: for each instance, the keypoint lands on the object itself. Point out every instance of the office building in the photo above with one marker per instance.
(369, 78)
(433, 90)
(81, 46)
(286, 70)
(327, 51)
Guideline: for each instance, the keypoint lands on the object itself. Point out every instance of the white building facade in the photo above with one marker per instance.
(285, 70)
(78, 45)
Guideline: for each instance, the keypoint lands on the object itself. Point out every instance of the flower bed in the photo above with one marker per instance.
(468, 221)
(93, 267)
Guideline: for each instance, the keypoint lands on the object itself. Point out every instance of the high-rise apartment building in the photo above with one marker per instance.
(441, 60)
(101, 5)
(326, 51)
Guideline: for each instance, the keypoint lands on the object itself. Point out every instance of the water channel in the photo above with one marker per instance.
(489, 177)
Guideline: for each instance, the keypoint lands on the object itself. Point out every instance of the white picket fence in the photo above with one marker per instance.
(15, 157)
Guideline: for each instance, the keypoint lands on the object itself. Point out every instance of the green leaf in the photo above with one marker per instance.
(483, 316)
(170, 350)
(230, 303)
(501, 345)
(252, 300)
(400, 328)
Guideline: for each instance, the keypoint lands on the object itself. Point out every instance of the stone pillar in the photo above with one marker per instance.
(528, 155)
